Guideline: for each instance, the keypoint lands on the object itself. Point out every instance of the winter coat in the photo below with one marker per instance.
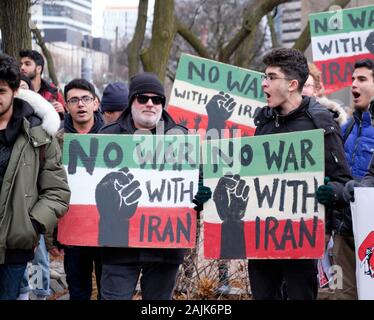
(308, 116)
(359, 145)
(124, 125)
(34, 192)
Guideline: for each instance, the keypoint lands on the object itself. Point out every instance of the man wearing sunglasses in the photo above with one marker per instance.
(288, 111)
(159, 267)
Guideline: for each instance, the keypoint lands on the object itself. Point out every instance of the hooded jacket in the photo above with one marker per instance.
(308, 116)
(125, 125)
(34, 192)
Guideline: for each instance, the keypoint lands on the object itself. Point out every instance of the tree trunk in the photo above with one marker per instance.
(134, 47)
(47, 54)
(303, 41)
(155, 58)
(252, 18)
(14, 24)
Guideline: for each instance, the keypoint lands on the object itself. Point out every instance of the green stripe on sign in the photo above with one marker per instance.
(162, 152)
(296, 152)
(221, 77)
(342, 21)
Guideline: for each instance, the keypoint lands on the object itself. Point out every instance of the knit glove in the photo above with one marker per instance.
(325, 193)
(348, 191)
(203, 195)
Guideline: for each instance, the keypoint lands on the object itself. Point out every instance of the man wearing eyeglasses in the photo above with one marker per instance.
(288, 111)
(159, 267)
(82, 117)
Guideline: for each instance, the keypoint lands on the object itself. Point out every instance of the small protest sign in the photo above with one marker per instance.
(264, 203)
(211, 96)
(131, 190)
(363, 230)
(340, 38)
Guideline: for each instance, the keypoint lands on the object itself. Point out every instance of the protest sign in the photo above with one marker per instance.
(363, 230)
(339, 39)
(131, 190)
(208, 95)
(263, 203)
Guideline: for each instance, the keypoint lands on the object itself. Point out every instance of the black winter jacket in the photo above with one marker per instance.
(308, 116)
(125, 125)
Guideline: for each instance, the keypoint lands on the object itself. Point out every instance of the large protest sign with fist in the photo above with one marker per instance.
(340, 38)
(263, 203)
(131, 190)
(211, 96)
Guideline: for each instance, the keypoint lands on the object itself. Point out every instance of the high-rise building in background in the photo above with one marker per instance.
(64, 14)
(288, 23)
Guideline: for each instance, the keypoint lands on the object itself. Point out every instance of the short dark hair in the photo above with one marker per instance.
(365, 63)
(33, 55)
(9, 71)
(292, 63)
(79, 84)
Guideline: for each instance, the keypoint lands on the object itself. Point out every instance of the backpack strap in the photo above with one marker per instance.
(349, 130)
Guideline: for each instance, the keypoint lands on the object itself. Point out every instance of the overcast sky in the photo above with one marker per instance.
(97, 12)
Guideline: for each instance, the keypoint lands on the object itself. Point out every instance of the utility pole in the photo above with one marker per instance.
(115, 63)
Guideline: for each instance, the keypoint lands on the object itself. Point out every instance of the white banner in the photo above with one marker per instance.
(363, 230)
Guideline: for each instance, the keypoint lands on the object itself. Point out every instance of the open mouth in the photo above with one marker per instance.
(81, 112)
(356, 95)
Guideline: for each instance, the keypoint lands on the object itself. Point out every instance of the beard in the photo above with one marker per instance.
(31, 75)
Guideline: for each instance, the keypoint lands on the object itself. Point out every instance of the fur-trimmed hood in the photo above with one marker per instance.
(340, 115)
(43, 109)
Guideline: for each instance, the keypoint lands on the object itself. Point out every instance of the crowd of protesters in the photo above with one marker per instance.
(34, 115)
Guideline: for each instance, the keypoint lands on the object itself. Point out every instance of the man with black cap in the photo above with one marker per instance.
(159, 267)
(114, 101)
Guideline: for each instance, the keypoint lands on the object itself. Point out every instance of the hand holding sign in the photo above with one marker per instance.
(231, 198)
(117, 196)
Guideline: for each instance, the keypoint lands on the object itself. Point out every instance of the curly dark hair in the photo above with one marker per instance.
(33, 55)
(9, 71)
(82, 84)
(292, 63)
(365, 63)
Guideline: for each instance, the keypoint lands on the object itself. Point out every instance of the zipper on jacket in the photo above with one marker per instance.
(357, 141)
(277, 120)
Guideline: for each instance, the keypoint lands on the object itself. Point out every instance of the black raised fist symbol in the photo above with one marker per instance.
(231, 198)
(117, 196)
(369, 43)
(219, 108)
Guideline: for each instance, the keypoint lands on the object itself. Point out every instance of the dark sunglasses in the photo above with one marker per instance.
(143, 99)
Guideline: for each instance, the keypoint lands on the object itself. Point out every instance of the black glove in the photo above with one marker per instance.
(325, 193)
(348, 192)
(203, 195)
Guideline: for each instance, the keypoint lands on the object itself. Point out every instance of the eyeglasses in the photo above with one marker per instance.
(271, 77)
(308, 85)
(75, 100)
(143, 99)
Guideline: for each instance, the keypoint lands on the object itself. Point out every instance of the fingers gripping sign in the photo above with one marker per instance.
(117, 197)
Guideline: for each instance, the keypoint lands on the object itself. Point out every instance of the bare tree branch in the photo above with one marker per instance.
(192, 39)
(252, 18)
(41, 43)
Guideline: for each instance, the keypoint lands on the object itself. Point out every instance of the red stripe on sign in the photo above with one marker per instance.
(337, 73)
(274, 239)
(196, 121)
(149, 227)
(79, 226)
(163, 228)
